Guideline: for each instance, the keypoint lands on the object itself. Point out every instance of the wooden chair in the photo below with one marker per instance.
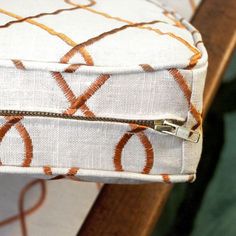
(133, 210)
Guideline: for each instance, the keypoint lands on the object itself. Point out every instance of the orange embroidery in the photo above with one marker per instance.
(66, 39)
(87, 94)
(15, 121)
(72, 171)
(11, 121)
(135, 129)
(72, 68)
(45, 14)
(197, 54)
(147, 68)
(47, 170)
(77, 48)
(118, 151)
(91, 3)
(23, 213)
(68, 93)
(187, 93)
(149, 152)
(94, 11)
(18, 64)
(84, 108)
(22, 206)
(166, 178)
(27, 143)
(64, 86)
(82, 50)
(176, 22)
(80, 101)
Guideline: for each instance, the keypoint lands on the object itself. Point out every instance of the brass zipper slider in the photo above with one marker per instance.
(177, 130)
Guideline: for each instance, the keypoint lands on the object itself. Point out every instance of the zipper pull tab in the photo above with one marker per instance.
(167, 127)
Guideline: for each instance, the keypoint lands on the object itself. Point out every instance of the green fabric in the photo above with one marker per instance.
(217, 215)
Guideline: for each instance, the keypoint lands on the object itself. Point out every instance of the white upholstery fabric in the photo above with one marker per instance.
(62, 212)
(148, 64)
(29, 51)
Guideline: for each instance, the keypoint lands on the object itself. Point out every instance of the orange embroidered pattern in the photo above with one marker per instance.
(187, 93)
(79, 102)
(138, 130)
(15, 121)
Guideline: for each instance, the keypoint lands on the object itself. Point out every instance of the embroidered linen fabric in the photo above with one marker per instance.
(47, 208)
(11, 186)
(148, 63)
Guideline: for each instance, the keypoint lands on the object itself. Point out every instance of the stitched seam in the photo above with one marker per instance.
(81, 169)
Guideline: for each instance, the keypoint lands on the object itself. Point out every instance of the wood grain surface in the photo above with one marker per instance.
(133, 210)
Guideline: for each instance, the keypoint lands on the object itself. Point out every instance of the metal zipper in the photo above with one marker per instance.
(166, 126)
(180, 131)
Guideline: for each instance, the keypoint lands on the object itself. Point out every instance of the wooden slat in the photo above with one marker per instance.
(134, 210)
(216, 20)
(122, 209)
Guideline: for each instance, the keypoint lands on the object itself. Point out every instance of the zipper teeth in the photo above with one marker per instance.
(160, 125)
(148, 123)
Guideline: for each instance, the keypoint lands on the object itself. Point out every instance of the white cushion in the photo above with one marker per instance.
(99, 59)
(55, 144)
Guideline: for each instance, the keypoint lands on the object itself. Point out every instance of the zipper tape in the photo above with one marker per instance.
(166, 126)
